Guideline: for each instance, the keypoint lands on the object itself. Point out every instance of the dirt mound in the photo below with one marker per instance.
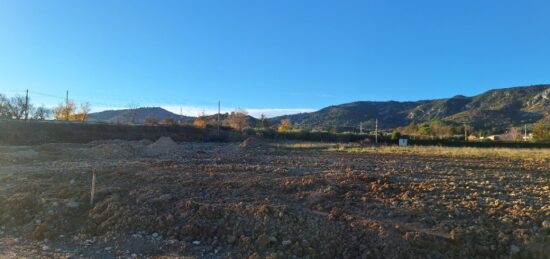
(253, 142)
(163, 146)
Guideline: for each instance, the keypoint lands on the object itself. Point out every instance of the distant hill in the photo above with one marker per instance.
(140, 114)
(495, 109)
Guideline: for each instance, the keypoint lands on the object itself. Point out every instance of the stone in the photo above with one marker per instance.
(73, 205)
(514, 249)
(546, 224)
(196, 242)
(262, 242)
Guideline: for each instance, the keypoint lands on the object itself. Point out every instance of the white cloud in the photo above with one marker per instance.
(105, 108)
(208, 110)
(268, 112)
(276, 112)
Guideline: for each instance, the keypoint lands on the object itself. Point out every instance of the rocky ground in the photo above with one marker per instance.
(212, 200)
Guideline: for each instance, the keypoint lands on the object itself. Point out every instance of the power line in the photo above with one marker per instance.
(219, 108)
(47, 95)
(376, 131)
(12, 91)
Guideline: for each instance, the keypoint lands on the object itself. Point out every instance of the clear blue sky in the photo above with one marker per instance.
(269, 54)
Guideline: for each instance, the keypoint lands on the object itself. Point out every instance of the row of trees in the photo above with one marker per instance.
(21, 108)
(68, 112)
(240, 121)
(436, 129)
(541, 131)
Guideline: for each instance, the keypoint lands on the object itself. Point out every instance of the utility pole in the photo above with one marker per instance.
(376, 132)
(525, 134)
(465, 133)
(219, 104)
(361, 127)
(27, 105)
(181, 116)
(67, 112)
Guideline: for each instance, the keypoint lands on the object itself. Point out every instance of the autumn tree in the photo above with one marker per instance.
(67, 111)
(238, 120)
(85, 110)
(167, 121)
(63, 111)
(151, 120)
(200, 122)
(285, 125)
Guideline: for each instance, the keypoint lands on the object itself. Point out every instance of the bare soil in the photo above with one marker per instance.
(217, 200)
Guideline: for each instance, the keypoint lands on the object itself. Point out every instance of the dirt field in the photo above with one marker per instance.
(258, 201)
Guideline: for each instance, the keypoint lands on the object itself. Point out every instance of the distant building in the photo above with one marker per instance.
(473, 137)
(494, 137)
(403, 142)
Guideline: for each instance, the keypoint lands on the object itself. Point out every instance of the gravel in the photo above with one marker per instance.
(218, 199)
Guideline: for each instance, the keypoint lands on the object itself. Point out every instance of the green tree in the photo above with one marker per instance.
(541, 131)
(395, 135)
(262, 123)
(424, 129)
(482, 133)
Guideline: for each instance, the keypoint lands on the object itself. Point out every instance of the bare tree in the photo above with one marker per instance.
(41, 113)
(238, 119)
(167, 121)
(4, 107)
(132, 113)
(513, 134)
(151, 120)
(17, 107)
(84, 111)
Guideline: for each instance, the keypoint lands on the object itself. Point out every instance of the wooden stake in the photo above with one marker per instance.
(93, 188)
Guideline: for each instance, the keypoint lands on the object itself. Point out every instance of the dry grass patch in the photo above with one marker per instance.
(525, 154)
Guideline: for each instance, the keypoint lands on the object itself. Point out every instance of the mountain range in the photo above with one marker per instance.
(495, 109)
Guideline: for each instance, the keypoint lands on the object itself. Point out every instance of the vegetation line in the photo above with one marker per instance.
(523, 154)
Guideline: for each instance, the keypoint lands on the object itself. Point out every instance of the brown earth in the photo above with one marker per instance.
(220, 200)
